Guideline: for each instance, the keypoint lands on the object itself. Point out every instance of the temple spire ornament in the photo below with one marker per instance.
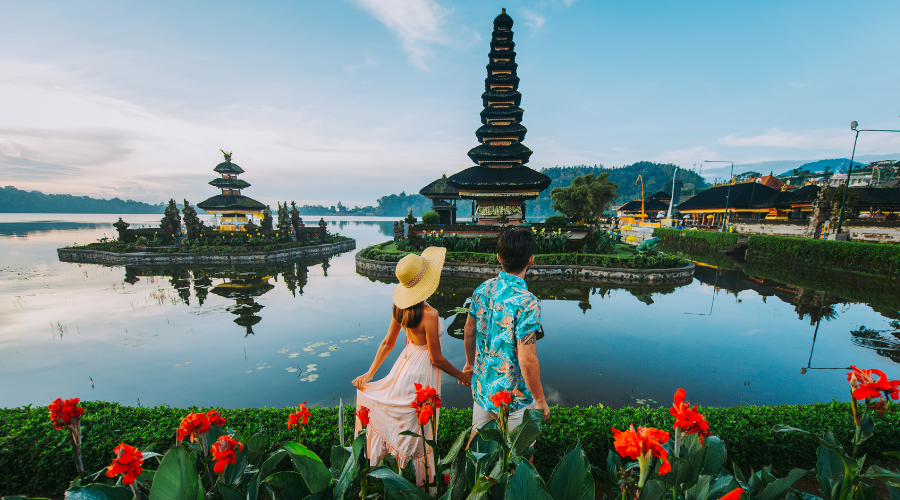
(500, 183)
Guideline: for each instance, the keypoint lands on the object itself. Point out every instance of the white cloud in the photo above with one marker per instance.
(533, 20)
(417, 23)
(367, 62)
(829, 139)
(686, 156)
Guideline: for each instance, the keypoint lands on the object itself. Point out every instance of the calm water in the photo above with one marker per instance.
(276, 336)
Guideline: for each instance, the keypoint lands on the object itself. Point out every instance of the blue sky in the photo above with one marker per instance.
(354, 99)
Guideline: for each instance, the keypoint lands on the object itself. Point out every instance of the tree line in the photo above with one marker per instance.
(13, 200)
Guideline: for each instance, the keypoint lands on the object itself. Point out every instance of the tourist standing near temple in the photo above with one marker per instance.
(421, 362)
(501, 335)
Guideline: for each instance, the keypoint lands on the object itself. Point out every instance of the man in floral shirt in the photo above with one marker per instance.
(501, 335)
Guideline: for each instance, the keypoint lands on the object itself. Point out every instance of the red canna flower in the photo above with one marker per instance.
(363, 414)
(424, 414)
(446, 478)
(215, 418)
(643, 444)
(427, 395)
(299, 417)
(223, 452)
(502, 398)
(865, 386)
(688, 419)
(734, 494)
(195, 426)
(63, 412)
(129, 463)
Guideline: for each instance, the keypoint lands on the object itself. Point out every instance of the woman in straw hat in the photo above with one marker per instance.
(421, 362)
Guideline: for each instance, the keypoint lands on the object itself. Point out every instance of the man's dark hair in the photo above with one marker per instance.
(514, 247)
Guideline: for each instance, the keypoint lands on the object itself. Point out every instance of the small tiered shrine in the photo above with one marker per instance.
(443, 198)
(500, 183)
(232, 209)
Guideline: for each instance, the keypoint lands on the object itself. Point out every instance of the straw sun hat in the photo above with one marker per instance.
(419, 276)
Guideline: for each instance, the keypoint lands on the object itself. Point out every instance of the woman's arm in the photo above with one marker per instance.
(434, 348)
(385, 348)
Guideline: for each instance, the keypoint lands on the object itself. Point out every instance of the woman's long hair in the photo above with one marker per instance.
(411, 316)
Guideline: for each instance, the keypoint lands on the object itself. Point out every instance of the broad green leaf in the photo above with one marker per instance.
(253, 488)
(397, 485)
(738, 474)
(339, 457)
(525, 483)
(894, 492)
(390, 461)
(779, 486)
(653, 490)
(411, 434)
(99, 492)
(271, 463)
(176, 478)
(458, 487)
(146, 478)
(613, 465)
(228, 493)
(700, 490)
(523, 436)
(866, 428)
(481, 445)
(481, 488)
(829, 464)
(310, 466)
(715, 457)
(885, 476)
(754, 481)
(350, 472)
(256, 448)
(682, 472)
(722, 486)
(849, 463)
(458, 445)
(572, 480)
(289, 483)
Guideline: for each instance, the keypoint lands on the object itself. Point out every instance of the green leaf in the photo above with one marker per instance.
(481, 488)
(525, 483)
(894, 492)
(458, 487)
(523, 436)
(779, 486)
(849, 463)
(228, 493)
(271, 463)
(700, 490)
(350, 472)
(458, 445)
(289, 483)
(682, 472)
(253, 488)
(390, 462)
(481, 445)
(653, 490)
(613, 465)
(572, 480)
(310, 466)
(738, 474)
(339, 457)
(397, 485)
(256, 448)
(715, 457)
(885, 476)
(99, 492)
(411, 434)
(176, 478)
(234, 473)
(828, 465)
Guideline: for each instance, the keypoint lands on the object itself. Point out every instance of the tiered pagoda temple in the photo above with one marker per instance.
(500, 183)
(232, 209)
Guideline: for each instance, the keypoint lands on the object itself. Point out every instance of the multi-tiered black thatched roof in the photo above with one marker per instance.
(501, 156)
(231, 199)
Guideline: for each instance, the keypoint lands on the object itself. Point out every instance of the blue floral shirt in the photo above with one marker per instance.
(505, 313)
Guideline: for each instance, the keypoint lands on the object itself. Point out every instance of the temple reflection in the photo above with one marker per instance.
(242, 284)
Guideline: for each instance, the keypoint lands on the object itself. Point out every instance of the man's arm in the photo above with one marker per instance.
(531, 371)
(469, 341)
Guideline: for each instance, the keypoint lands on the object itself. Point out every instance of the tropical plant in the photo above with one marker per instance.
(431, 218)
(556, 220)
(586, 198)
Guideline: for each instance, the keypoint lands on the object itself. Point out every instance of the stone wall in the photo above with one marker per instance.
(639, 233)
(679, 276)
(150, 258)
(795, 228)
(888, 232)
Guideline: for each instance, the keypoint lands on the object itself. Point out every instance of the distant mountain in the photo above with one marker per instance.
(834, 165)
(786, 166)
(14, 200)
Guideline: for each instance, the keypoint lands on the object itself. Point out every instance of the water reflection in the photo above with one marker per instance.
(241, 283)
(26, 228)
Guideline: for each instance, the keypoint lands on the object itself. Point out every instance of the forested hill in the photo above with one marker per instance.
(656, 176)
(14, 200)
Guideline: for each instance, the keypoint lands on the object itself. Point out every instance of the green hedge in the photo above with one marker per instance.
(634, 262)
(700, 242)
(846, 255)
(36, 459)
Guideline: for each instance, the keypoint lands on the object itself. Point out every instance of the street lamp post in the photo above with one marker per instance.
(728, 194)
(853, 127)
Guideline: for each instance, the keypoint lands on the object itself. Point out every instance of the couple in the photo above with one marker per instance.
(500, 342)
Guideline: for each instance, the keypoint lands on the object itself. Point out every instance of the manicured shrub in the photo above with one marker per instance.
(556, 220)
(694, 241)
(847, 255)
(431, 218)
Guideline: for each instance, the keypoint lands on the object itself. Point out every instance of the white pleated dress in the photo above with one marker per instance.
(388, 401)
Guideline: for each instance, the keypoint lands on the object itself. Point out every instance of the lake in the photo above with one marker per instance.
(278, 335)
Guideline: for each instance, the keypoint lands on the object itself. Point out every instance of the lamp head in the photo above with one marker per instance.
(853, 125)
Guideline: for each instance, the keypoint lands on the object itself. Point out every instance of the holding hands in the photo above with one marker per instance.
(466, 378)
